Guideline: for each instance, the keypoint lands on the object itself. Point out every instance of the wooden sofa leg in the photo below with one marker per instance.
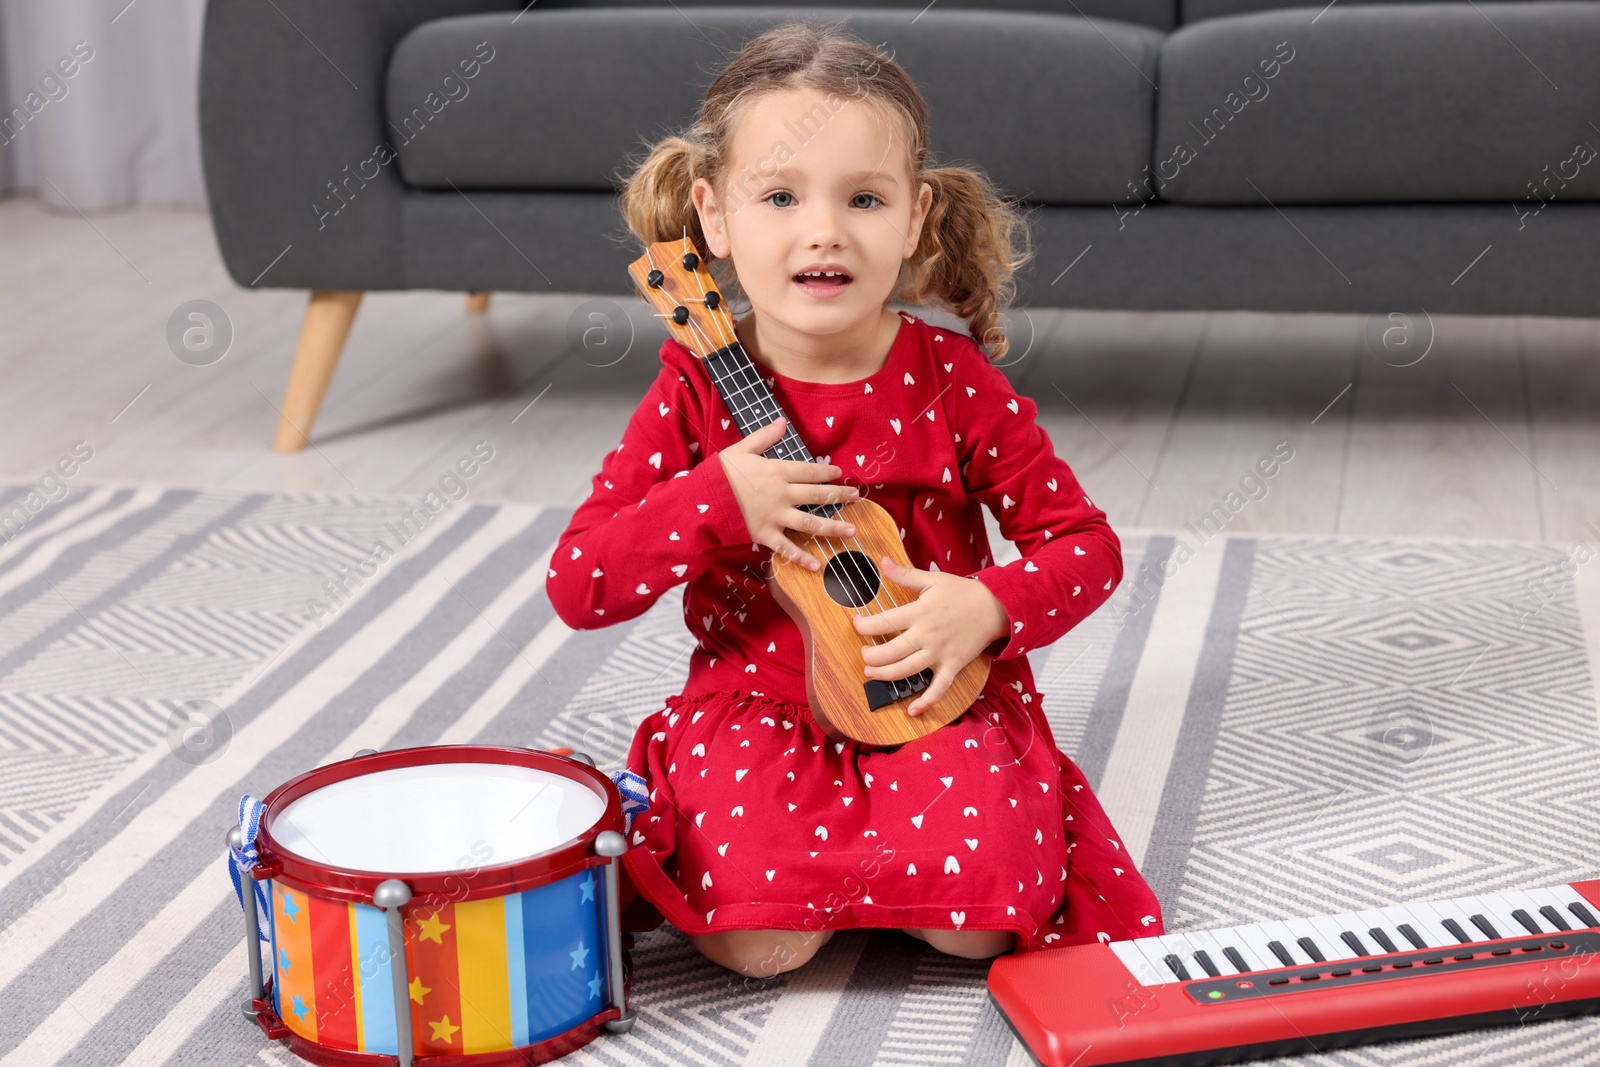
(322, 334)
(477, 303)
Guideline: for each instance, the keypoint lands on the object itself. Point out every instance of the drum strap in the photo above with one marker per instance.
(242, 860)
(635, 796)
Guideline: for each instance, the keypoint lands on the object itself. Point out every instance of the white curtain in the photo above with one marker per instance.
(98, 102)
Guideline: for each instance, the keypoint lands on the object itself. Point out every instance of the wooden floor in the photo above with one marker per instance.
(1494, 433)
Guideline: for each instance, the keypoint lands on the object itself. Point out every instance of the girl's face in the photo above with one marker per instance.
(815, 181)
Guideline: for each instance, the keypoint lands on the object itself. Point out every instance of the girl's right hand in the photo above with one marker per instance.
(770, 490)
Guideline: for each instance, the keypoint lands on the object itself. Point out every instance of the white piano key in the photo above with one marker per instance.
(1518, 898)
(1493, 907)
(1206, 941)
(1549, 895)
(1305, 928)
(1425, 925)
(1462, 909)
(1156, 953)
(1570, 896)
(1256, 938)
(1233, 937)
(1330, 927)
(1179, 946)
(1279, 931)
(1136, 963)
(1440, 910)
(1377, 919)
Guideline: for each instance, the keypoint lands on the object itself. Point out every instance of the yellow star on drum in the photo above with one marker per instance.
(418, 990)
(443, 1031)
(433, 930)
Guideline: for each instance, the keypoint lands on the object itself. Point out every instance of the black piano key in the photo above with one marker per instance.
(1236, 958)
(1311, 949)
(1355, 943)
(1555, 918)
(1585, 916)
(1482, 922)
(1526, 920)
(1411, 935)
(1382, 939)
(1205, 961)
(1282, 953)
(1456, 931)
(1175, 965)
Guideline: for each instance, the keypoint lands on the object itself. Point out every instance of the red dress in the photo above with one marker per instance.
(757, 820)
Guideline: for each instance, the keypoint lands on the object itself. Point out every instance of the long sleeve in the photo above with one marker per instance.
(1071, 558)
(657, 514)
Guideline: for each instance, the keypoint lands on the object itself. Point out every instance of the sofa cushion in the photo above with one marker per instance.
(1403, 102)
(1056, 109)
(1162, 14)
(1195, 10)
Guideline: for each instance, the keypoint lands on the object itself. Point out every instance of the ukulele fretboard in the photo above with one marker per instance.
(753, 406)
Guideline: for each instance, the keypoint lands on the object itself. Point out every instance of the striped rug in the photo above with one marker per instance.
(1278, 725)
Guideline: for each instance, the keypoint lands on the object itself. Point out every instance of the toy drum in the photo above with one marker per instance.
(445, 905)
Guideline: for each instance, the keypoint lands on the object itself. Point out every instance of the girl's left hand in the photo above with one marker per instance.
(951, 621)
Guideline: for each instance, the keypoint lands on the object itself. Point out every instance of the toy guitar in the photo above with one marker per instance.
(846, 704)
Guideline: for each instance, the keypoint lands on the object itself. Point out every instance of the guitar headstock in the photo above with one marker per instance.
(672, 277)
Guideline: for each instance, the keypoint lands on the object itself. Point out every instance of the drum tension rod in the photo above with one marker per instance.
(252, 930)
(612, 845)
(391, 895)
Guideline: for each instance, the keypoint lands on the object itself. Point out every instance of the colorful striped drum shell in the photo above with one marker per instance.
(487, 975)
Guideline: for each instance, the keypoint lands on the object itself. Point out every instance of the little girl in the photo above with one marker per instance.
(763, 836)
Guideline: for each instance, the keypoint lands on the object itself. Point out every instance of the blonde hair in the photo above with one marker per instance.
(973, 240)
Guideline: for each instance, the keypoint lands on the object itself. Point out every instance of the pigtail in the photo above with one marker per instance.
(655, 201)
(973, 243)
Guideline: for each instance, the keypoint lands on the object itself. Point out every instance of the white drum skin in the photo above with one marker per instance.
(436, 817)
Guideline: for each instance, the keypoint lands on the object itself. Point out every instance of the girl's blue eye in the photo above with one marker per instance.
(876, 199)
(778, 194)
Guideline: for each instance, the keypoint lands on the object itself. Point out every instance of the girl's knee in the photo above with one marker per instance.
(970, 944)
(760, 953)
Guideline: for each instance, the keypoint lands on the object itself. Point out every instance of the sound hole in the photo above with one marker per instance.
(851, 579)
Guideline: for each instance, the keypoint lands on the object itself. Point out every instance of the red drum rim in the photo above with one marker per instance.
(343, 883)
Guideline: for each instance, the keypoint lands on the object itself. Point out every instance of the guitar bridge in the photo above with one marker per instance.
(881, 693)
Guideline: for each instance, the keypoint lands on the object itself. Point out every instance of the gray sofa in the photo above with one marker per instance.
(1180, 154)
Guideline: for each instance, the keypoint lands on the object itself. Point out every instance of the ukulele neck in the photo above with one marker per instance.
(753, 406)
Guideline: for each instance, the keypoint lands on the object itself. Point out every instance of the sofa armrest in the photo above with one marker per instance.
(291, 118)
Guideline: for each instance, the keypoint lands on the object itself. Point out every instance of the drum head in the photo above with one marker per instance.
(436, 817)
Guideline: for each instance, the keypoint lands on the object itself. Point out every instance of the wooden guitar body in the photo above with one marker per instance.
(845, 702)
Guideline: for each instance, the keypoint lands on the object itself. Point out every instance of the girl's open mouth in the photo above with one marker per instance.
(823, 284)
